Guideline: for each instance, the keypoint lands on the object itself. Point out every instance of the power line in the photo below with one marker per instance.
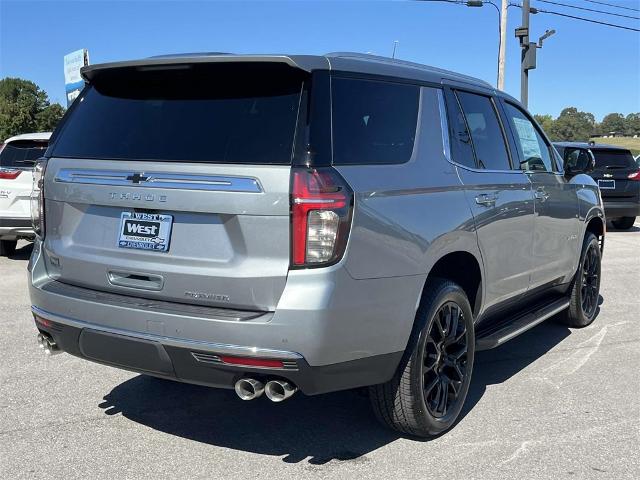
(589, 9)
(614, 6)
(586, 19)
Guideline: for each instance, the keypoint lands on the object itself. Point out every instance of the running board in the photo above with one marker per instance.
(501, 334)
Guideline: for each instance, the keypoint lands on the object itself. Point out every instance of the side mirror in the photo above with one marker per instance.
(578, 160)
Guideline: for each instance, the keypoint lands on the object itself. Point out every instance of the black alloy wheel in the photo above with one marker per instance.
(590, 287)
(445, 359)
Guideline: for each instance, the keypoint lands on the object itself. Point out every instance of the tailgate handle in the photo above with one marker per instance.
(142, 281)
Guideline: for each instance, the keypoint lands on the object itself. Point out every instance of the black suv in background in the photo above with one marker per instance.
(616, 172)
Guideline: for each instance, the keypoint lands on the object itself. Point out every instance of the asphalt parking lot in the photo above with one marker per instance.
(553, 403)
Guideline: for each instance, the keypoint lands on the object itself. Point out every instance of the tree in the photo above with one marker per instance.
(632, 124)
(545, 121)
(25, 108)
(48, 118)
(573, 125)
(614, 122)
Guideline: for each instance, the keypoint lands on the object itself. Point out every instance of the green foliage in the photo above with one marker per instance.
(632, 124)
(575, 126)
(545, 121)
(572, 125)
(25, 108)
(614, 122)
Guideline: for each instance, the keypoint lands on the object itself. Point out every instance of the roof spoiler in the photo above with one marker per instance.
(305, 63)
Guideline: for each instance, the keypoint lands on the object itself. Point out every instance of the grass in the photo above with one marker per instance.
(632, 144)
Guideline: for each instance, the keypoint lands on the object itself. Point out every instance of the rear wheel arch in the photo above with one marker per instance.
(596, 226)
(464, 269)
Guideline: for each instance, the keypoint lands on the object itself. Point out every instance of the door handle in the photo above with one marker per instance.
(541, 194)
(486, 200)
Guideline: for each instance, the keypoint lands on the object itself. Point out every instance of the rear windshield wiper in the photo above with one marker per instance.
(614, 167)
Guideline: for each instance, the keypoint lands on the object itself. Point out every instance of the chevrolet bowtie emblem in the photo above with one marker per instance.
(138, 178)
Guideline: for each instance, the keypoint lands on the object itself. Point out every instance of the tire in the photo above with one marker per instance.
(585, 287)
(7, 247)
(623, 223)
(414, 401)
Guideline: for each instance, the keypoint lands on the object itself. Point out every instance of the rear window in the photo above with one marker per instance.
(22, 153)
(217, 113)
(373, 122)
(613, 158)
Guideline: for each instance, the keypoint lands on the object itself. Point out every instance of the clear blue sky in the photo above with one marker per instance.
(592, 67)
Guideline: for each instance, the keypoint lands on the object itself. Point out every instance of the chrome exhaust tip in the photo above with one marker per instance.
(279, 390)
(48, 344)
(249, 388)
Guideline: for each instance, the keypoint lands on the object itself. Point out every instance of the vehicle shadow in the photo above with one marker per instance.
(337, 426)
(22, 252)
(611, 228)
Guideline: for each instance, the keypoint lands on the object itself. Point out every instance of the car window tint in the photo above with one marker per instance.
(535, 153)
(373, 122)
(613, 158)
(576, 158)
(462, 149)
(21, 153)
(213, 113)
(486, 133)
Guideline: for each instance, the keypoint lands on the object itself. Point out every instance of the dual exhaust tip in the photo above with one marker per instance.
(48, 344)
(275, 390)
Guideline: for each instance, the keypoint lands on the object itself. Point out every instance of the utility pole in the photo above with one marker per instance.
(529, 49)
(503, 43)
(525, 57)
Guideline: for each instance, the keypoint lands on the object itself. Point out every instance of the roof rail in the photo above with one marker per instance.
(405, 63)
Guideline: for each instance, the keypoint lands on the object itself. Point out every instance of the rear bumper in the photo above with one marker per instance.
(331, 331)
(616, 209)
(12, 228)
(202, 363)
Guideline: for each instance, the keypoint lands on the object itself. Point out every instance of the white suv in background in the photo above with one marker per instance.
(17, 158)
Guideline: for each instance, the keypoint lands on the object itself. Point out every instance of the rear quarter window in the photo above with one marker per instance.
(374, 122)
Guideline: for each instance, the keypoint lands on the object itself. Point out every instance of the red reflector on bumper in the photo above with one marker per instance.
(252, 362)
(42, 321)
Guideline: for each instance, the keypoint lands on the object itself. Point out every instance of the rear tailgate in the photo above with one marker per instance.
(229, 241)
(612, 171)
(208, 155)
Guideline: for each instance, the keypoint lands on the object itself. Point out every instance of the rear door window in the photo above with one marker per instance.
(486, 133)
(212, 113)
(21, 153)
(374, 122)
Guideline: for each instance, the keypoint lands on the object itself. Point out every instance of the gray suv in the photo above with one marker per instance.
(314, 223)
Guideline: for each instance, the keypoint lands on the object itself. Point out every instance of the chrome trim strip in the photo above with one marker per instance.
(216, 348)
(164, 180)
(444, 126)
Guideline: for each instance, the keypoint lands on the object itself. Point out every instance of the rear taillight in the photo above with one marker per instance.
(37, 198)
(9, 173)
(634, 176)
(321, 204)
